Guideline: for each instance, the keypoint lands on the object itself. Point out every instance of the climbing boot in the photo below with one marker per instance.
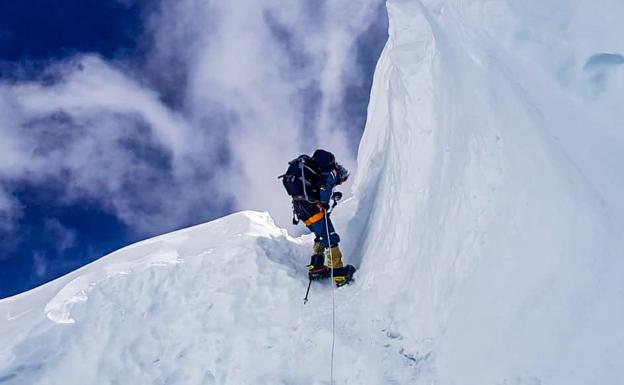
(317, 268)
(343, 275)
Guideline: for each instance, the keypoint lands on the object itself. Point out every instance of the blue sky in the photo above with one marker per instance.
(127, 119)
(32, 35)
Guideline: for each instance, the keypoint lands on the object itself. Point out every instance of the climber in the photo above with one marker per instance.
(310, 182)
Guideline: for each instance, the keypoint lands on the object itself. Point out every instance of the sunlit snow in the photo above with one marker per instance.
(486, 222)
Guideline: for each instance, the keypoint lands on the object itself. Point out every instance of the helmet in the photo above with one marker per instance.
(343, 173)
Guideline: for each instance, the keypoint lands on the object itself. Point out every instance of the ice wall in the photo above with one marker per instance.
(489, 217)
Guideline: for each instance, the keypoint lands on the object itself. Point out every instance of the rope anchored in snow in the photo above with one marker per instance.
(331, 373)
(335, 197)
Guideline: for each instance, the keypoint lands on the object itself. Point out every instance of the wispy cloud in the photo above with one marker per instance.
(40, 265)
(230, 92)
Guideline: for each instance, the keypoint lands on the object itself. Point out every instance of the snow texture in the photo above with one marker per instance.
(486, 221)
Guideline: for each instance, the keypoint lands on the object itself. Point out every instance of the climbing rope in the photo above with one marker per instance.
(333, 341)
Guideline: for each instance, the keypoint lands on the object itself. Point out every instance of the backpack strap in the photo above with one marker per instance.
(303, 166)
(303, 180)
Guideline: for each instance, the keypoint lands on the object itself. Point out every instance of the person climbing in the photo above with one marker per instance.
(310, 182)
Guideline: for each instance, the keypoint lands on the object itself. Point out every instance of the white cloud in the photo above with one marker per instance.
(256, 61)
(255, 84)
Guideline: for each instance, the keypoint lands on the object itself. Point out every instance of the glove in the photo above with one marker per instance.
(336, 196)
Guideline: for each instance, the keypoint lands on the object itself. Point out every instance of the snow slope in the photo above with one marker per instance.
(486, 221)
(216, 303)
(219, 303)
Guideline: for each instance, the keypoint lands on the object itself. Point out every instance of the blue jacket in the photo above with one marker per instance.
(328, 181)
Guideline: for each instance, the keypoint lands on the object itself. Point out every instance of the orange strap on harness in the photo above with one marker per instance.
(315, 218)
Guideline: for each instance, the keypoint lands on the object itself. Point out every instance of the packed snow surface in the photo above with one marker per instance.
(486, 221)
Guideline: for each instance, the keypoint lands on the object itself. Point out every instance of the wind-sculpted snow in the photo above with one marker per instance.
(228, 309)
(486, 222)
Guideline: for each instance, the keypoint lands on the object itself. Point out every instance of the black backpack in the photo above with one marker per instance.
(302, 178)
